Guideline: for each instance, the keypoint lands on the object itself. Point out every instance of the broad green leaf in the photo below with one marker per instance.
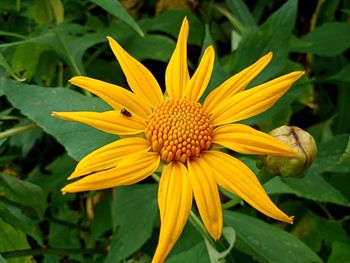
(116, 9)
(6, 66)
(340, 253)
(134, 211)
(267, 243)
(17, 191)
(273, 36)
(75, 137)
(329, 39)
(197, 254)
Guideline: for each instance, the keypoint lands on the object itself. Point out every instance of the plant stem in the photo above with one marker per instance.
(16, 130)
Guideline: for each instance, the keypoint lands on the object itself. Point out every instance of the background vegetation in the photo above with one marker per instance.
(43, 43)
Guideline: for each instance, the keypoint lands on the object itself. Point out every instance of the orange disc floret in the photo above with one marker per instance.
(179, 130)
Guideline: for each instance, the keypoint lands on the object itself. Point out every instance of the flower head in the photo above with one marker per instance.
(178, 134)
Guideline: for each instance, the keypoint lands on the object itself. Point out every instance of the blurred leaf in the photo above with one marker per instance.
(75, 137)
(58, 10)
(25, 59)
(17, 191)
(133, 213)
(342, 75)
(6, 66)
(26, 140)
(116, 9)
(42, 12)
(267, 243)
(273, 35)
(2, 260)
(20, 221)
(170, 22)
(340, 253)
(329, 39)
(218, 74)
(12, 239)
(240, 10)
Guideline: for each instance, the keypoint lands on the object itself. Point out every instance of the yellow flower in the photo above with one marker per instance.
(178, 134)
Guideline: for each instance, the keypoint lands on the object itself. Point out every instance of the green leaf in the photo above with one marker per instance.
(189, 248)
(340, 253)
(216, 256)
(12, 239)
(170, 23)
(311, 187)
(240, 10)
(2, 260)
(273, 35)
(6, 66)
(116, 9)
(341, 75)
(267, 243)
(134, 211)
(17, 191)
(25, 59)
(75, 137)
(329, 39)
(20, 221)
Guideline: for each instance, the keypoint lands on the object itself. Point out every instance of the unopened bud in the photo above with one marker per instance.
(303, 144)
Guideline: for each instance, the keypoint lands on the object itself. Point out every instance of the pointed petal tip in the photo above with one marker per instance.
(55, 114)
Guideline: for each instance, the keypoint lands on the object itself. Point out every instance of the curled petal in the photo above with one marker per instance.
(234, 176)
(109, 156)
(176, 75)
(199, 81)
(110, 121)
(236, 83)
(253, 101)
(117, 97)
(244, 139)
(206, 195)
(131, 170)
(175, 201)
(139, 78)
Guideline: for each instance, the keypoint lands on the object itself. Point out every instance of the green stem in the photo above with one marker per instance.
(55, 251)
(233, 202)
(16, 130)
(11, 34)
(197, 224)
(233, 20)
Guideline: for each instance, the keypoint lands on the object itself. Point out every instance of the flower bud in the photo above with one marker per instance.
(303, 144)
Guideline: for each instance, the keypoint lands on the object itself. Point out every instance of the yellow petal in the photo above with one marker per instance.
(253, 101)
(176, 75)
(109, 156)
(244, 139)
(110, 121)
(236, 83)
(114, 95)
(234, 176)
(199, 81)
(175, 202)
(131, 170)
(206, 195)
(139, 78)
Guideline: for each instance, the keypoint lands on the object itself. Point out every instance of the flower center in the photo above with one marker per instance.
(179, 130)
